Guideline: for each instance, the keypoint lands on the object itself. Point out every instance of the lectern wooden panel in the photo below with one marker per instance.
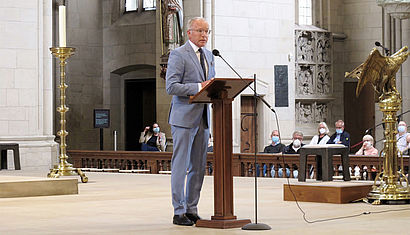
(221, 92)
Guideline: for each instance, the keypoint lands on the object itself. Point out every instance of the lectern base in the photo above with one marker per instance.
(222, 223)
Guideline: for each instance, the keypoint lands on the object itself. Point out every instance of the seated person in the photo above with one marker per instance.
(295, 146)
(401, 136)
(321, 138)
(406, 150)
(341, 136)
(210, 144)
(367, 147)
(152, 139)
(276, 146)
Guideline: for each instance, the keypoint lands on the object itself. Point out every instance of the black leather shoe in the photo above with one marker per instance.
(193, 217)
(182, 220)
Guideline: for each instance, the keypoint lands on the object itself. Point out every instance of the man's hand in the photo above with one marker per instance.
(146, 129)
(203, 84)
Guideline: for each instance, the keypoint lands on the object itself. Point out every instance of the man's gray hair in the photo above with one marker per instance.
(192, 20)
(299, 133)
(341, 122)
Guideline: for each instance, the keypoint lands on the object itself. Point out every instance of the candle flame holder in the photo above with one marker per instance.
(64, 168)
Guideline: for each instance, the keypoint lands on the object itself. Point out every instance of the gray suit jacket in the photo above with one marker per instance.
(184, 72)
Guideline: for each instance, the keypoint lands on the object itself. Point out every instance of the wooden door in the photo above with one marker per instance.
(247, 125)
(358, 112)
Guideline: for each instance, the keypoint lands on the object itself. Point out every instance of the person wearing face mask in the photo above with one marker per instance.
(367, 147)
(152, 139)
(321, 138)
(296, 144)
(340, 136)
(276, 146)
(408, 146)
(401, 136)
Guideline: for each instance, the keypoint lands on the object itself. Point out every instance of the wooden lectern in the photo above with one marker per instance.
(221, 92)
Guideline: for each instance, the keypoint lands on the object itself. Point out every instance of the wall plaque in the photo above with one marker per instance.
(281, 86)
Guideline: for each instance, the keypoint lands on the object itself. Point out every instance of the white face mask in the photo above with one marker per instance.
(296, 143)
(368, 144)
(322, 130)
(401, 129)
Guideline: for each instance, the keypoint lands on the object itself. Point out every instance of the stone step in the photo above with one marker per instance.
(20, 186)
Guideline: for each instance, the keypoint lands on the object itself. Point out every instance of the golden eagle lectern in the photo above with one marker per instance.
(381, 71)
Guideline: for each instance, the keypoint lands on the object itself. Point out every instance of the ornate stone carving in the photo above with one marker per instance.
(313, 76)
(321, 112)
(304, 77)
(304, 113)
(399, 9)
(305, 46)
(311, 112)
(323, 82)
(323, 48)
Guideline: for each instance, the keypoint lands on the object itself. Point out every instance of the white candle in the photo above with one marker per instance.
(62, 26)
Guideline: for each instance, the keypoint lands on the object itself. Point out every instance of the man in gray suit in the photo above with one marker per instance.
(190, 67)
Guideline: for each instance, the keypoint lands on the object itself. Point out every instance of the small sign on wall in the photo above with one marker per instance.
(101, 118)
(281, 86)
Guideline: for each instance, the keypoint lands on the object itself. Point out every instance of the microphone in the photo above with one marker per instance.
(380, 45)
(215, 52)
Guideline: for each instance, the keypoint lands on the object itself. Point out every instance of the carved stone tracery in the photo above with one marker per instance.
(313, 75)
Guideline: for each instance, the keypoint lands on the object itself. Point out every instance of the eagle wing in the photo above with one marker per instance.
(370, 71)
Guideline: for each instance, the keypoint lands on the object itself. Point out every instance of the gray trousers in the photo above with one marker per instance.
(190, 145)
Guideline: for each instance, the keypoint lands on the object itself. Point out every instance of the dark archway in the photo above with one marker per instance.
(140, 109)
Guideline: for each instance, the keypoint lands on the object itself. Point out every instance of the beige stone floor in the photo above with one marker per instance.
(140, 204)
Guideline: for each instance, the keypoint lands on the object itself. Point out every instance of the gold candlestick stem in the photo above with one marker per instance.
(64, 168)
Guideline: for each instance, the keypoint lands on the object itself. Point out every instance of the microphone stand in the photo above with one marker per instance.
(256, 225)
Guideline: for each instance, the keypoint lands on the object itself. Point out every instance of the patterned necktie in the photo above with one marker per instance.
(202, 59)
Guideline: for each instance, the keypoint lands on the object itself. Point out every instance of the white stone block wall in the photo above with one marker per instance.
(253, 36)
(406, 72)
(25, 81)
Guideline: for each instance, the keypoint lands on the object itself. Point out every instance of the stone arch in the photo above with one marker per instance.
(140, 80)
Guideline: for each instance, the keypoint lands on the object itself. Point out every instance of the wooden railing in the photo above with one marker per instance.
(243, 163)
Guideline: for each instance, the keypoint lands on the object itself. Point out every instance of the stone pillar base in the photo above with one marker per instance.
(36, 152)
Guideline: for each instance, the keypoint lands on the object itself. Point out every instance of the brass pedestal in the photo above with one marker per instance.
(391, 179)
(64, 168)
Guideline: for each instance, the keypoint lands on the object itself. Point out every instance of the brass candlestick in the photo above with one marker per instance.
(381, 71)
(64, 168)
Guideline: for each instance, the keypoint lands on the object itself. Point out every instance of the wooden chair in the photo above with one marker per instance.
(10, 146)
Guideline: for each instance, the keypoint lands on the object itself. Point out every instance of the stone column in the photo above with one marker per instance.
(26, 106)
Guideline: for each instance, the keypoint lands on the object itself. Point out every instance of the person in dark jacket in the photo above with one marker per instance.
(276, 146)
(294, 147)
(341, 136)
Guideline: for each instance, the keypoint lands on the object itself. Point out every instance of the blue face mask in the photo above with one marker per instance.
(401, 129)
(275, 139)
(156, 129)
(339, 131)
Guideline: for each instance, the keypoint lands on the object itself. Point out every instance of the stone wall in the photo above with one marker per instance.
(26, 81)
(129, 40)
(84, 73)
(106, 40)
(254, 36)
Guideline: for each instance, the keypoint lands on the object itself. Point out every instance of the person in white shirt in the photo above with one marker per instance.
(401, 136)
(322, 137)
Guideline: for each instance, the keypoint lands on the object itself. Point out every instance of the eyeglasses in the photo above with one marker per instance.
(207, 32)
